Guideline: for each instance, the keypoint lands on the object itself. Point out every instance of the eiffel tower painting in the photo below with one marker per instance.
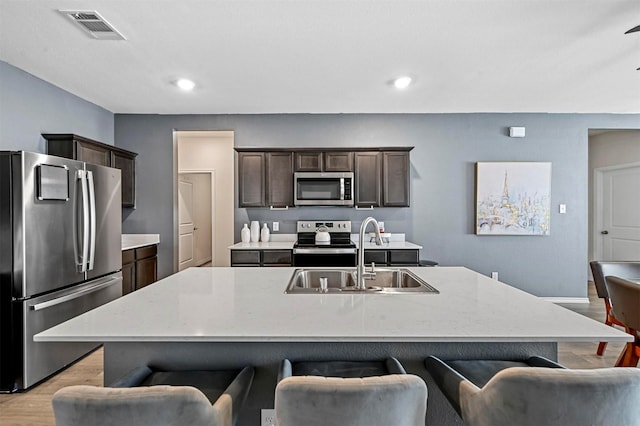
(513, 198)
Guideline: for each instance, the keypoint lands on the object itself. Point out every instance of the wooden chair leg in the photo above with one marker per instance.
(601, 347)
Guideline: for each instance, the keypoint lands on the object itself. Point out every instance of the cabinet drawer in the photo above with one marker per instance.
(272, 257)
(403, 257)
(248, 257)
(145, 252)
(128, 256)
(379, 257)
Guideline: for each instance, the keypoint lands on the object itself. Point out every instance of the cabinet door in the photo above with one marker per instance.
(368, 174)
(404, 257)
(93, 154)
(379, 257)
(276, 258)
(126, 164)
(128, 271)
(128, 278)
(245, 257)
(395, 179)
(308, 161)
(251, 174)
(146, 272)
(279, 179)
(338, 161)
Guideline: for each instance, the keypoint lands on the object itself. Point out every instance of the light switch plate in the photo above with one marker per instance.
(563, 208)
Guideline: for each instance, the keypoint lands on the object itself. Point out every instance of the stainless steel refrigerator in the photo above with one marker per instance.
(60, 256)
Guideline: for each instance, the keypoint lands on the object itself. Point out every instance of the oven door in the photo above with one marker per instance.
(324, 257)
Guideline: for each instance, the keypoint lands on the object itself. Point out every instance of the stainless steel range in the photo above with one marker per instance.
(324, 243)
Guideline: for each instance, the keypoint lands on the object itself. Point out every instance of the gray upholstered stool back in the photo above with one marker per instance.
(140, 406)
(397, 399)
(554, 396)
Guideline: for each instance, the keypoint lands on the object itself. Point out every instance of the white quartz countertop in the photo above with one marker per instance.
(131, 241)
(249, 304)
(397, 245)
(269, 245)
(288, 245)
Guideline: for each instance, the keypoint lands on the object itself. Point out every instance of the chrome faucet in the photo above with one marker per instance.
(360, 273)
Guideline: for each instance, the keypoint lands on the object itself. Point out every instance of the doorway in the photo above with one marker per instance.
(613, 154)
(204, 164)
(195, 209)
(617, 197)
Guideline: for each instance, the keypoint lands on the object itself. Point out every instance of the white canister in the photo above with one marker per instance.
(264, 233)
(255, 231)
(245, 234)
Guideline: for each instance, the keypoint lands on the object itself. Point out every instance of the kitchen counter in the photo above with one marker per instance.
(392, 245)
(232, 317)
(249, 304)
(131, 241)
(269, 245)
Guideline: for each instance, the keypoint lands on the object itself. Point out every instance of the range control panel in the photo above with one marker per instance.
(328, 225)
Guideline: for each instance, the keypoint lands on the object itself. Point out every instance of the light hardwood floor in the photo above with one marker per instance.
(33, 408)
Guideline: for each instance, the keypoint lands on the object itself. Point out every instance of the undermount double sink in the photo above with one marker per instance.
(343, 281)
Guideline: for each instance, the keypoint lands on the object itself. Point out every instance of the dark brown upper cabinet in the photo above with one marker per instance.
(279, 179)
(323, 161)
(395, 179)
(265, 179)
(308, 161)
(251, 179)
(265, 176)
(94, 152)
(368, 171)
(338, 161)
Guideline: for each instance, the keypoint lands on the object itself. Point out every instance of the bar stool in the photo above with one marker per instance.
(147, 396)
(349, 393)
(625, 298)
(619, 269)
(537, 391)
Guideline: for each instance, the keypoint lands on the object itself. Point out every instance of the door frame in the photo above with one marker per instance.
(598, 190)
(212, 179)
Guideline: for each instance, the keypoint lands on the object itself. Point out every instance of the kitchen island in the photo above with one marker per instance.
(230, 317)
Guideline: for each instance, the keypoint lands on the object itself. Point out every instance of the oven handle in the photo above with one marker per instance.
(324, 251)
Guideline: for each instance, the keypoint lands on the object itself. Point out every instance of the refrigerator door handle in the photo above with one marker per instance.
(85, 221)
(98, 286)
(92, 220)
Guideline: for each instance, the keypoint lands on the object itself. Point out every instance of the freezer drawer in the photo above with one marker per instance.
(40, 360)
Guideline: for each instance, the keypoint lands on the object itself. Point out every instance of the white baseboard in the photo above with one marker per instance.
(563, 300)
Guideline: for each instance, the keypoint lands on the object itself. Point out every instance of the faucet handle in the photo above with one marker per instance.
(373, 267)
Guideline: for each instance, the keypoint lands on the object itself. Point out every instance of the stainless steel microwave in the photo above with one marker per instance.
(323, 188)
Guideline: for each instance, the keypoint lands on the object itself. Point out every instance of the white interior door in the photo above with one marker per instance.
(185, 224)
(202, 217)
(620, 224)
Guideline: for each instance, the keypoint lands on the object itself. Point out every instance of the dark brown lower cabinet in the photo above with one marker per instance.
(261, 258)
(398, 257)
(139, 268)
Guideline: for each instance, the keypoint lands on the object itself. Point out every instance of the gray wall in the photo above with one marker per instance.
(30, 106)
(441, 216)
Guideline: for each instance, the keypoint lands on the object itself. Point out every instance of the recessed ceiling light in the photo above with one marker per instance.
(185, 84)
(402, 82)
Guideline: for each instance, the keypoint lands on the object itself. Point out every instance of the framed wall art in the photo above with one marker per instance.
(513, 198)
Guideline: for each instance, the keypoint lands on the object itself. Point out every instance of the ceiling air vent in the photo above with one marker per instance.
(94, 24)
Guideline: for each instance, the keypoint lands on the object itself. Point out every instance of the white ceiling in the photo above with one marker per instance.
(336, 56)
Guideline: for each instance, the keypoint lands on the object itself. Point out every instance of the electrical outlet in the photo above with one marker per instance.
(494, 275)
(276, 226)
(267, 416)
